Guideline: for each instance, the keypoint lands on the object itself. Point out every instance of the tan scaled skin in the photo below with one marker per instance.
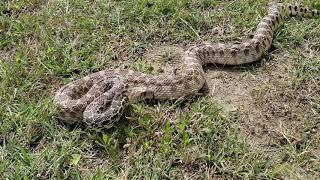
(99, 98)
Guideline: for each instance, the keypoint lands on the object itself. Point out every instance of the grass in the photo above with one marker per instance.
(45, 44)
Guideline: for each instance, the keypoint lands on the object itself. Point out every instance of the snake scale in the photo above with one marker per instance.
(99, 99)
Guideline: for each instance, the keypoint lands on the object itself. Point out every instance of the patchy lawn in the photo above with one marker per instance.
(255, 121)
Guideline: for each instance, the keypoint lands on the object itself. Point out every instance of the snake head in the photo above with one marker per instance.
(72, 99)
(107, 108)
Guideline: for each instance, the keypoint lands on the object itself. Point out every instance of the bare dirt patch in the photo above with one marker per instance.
(270, 109)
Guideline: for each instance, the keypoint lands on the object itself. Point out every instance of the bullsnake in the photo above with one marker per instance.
(100, 98)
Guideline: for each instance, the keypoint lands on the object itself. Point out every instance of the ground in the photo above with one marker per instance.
(254, 121)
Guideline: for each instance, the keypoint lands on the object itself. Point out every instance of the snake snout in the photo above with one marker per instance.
(107, 108)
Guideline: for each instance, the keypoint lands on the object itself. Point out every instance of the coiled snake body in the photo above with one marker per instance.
(99, 98)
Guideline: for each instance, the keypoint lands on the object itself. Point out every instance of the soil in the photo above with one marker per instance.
(269, 110)
(260, 97)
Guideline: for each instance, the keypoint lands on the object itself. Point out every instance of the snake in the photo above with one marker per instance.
(99, 99)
